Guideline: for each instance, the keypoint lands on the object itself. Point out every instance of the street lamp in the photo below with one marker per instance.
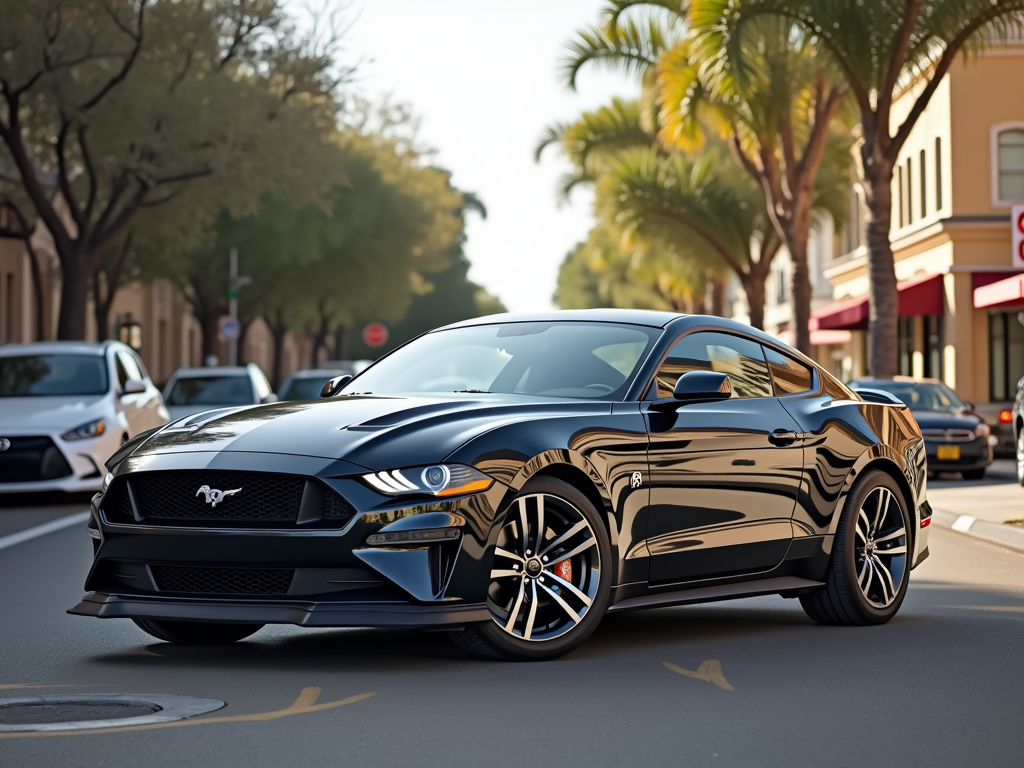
(129, 332)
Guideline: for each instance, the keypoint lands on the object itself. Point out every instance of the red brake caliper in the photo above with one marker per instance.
(563, 570)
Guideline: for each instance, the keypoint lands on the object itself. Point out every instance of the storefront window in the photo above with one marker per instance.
(1006, 354)
(933, 347)
(906, 342)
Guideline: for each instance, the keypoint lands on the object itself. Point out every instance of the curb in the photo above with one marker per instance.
(997, 533)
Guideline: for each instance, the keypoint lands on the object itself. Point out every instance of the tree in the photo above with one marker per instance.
(878, 47)
(123, 105)
(764, 92)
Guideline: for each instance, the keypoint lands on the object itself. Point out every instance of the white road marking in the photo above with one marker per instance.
(963, 523)
(41, 530)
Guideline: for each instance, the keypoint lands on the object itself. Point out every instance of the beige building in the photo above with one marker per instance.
(958, 175)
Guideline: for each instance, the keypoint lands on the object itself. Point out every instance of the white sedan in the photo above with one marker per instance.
(65, 407)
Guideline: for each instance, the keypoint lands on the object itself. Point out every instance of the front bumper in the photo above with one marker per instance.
(333, 577)
(84, 458)
(976, 454)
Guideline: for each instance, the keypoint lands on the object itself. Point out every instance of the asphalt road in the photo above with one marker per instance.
(747, 683)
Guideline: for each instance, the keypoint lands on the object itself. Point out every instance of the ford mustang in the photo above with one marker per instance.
(510, 480)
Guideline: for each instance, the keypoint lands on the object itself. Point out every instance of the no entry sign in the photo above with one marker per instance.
(375, 335)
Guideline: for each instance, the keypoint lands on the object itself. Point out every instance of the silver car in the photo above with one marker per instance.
(194, 390)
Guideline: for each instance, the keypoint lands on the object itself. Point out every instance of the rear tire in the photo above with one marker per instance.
(196, 632)
(974, 474)
(870, 567)
(562, 593)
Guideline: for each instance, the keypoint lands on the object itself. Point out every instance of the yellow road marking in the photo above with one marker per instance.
(304, 704)
(710, 671)
(999, 608)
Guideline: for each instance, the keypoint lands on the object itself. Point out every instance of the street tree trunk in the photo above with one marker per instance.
(719, 295)
(753, 286)
(74, 290)
(884, 306)
(278, 331)
(800, 290)
(341, 343)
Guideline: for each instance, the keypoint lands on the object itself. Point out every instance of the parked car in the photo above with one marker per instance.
(1017, 422)
(512, 479)
(956, 439)
(65, 407)
(999, 417)
(193, 390)
(306, 385)
(353, 367)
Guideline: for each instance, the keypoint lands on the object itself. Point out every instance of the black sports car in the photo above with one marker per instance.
(514, 478)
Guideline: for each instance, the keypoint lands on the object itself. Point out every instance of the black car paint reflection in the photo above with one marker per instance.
(726, 507)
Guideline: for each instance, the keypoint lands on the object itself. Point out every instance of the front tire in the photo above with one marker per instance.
(196, 632)
(870, 567)
(550, 578)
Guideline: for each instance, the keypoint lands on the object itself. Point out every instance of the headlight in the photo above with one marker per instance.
(982, 430)
(92, 429)
(435, 480)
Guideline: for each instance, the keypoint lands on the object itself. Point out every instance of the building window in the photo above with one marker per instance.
(933, 347)
(899, 181)
(906, 345)
(1006, 354)
(924, 186)
(1011, 165)
(938, 174)
(910, 191)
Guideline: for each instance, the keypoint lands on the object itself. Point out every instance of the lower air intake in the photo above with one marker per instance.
(223, 581)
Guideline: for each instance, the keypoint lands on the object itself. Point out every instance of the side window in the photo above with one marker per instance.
(122, 373)
(127, 363)
(740, 358)
(140, 366)
(788, 376)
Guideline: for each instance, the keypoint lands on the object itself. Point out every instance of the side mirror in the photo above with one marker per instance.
(696, 387)
(702, 385)
(133, 387)
(271, 398)
(333, 386)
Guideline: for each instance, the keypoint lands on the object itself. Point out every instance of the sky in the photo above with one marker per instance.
(483, 77)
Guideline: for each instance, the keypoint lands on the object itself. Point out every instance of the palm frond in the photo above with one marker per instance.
(629, 48)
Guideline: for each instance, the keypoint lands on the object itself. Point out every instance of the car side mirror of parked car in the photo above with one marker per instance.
(696, 387)
(333, 386)
(271, 398)
(133, 387)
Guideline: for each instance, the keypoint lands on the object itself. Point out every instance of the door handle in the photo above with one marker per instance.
(782, 437)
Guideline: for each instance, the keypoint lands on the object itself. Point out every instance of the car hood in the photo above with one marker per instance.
(49, 413)
(376, 432)
(945, 420)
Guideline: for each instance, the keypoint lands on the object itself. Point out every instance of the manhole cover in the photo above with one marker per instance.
(63, 712)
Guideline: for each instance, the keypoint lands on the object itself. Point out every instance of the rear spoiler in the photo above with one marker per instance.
(878, 396)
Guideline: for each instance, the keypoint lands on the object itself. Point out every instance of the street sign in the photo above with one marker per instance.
(1017, 222)
(375, 335)
(229, 328)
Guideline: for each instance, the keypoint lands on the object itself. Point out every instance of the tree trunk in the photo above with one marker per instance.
(753, 286)
(800, 290)
(74, 290)
(719, 295)
(341, 343)
(278, 330)
(101, 307)
(883, 318)
(37, 289)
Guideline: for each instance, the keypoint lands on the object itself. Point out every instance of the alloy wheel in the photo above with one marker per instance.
(880, 547)
(547, 569)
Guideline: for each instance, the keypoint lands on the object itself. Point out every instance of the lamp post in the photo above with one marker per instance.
(235, 284)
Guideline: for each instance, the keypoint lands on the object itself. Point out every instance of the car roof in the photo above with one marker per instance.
(648, 317)
(220, 371)
(57, 347)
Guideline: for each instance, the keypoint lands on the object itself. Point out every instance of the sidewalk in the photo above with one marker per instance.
(981, 508)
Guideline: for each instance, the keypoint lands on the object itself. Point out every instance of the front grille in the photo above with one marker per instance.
(32, 459)
(223, 581)
(949, 435)
(181, 496)
(334, 507)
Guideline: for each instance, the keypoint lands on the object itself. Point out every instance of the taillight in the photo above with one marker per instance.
(1005, 417)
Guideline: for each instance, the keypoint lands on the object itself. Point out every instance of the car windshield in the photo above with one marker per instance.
(304, 387)
(594, 361)
(211, 390)
(920, 396)
(52, 375)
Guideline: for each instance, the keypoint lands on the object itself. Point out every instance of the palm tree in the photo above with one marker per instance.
(877, 47)
(704, 211)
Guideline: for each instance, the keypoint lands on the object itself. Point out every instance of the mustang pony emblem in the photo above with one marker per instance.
(214, 496)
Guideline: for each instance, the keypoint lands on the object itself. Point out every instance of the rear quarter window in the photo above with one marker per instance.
(789, 376)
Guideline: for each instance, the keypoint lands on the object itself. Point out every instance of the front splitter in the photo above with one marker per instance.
(303, 614)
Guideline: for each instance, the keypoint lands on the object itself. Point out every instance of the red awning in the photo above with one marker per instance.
(1007, 293)
(918, 296)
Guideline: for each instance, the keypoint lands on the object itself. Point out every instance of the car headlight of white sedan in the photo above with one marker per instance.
(85, 431)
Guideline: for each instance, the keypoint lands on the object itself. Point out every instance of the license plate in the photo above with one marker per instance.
(948, 453)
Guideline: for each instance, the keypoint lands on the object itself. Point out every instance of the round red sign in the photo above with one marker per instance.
(375, 335)
(1020, 223)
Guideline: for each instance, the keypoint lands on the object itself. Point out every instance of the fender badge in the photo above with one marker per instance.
(636, 480)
